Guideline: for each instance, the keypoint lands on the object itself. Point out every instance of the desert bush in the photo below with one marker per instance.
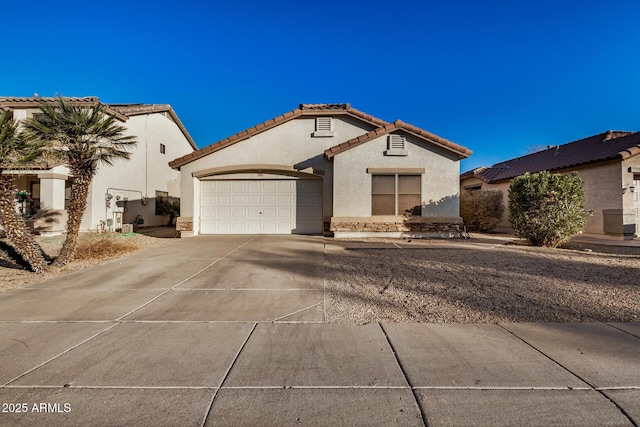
(104, 246)
(547, 209)
(481, 210)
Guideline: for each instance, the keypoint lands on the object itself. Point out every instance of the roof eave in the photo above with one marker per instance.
(36, 102)
(459, 150)
(269, 124)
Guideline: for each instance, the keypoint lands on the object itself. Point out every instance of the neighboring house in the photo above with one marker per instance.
(608, 164)
(320, 168)
(124, 193)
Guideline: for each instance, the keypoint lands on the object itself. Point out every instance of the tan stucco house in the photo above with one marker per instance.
(322, 168)
(124, 193)
(609, 166)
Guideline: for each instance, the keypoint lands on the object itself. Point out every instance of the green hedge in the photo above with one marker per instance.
(547, 209)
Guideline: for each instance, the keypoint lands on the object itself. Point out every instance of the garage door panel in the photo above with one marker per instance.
(270, 199)
(224, 214)
(285, 199)
(261, 206)
(269, 214)
(239, 199)
(217, 187)
(222, 200)
(252, 200)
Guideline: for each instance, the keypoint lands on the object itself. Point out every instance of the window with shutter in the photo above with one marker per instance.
(396, 145)
(324, 126)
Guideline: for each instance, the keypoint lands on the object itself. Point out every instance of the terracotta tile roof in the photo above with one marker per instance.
(597, 148)
(120, 111)
(302, 110)
(398, 125)
(34, 102)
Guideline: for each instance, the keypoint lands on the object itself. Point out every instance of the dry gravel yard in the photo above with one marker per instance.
(454, 283)
(488, 284)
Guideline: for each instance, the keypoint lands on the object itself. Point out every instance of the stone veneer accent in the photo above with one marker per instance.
(415, 224)
(184, 223)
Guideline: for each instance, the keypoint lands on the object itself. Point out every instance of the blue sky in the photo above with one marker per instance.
(495, 76)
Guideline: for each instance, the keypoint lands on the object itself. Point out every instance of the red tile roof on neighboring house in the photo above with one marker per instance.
(302, 110)
(390, 127)
(605, 146)
(120, 111)
(34, 102)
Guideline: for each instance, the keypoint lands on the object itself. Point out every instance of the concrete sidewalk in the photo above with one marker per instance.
(229, 330)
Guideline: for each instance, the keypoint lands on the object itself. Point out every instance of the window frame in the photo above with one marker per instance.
(396, 191)
(160, 195)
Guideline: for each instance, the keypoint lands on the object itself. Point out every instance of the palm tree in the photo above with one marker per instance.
(83, 137)
(12, 147)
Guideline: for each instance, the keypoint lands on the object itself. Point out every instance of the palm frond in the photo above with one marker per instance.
(78, 134)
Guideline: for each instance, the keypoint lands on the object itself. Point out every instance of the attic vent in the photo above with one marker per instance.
(396, 146)
(324, 126)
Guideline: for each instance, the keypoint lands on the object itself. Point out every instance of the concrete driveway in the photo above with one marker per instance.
(229, 330)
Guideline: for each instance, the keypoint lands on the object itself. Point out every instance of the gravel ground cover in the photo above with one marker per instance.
(502, 283)
(487, 284)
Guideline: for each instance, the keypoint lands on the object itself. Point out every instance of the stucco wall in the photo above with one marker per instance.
(290, 144)
(352, 182)
(145, 172)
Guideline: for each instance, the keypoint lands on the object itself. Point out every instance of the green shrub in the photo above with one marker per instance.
(481, 210)
(547, 209)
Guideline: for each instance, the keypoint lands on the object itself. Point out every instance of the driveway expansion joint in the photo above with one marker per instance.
(188, 278)
(423, 415)
(226, 374)
(296, 312)
(592, 387)
(59, 355)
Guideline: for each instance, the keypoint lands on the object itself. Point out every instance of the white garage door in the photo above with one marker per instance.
(283, 206)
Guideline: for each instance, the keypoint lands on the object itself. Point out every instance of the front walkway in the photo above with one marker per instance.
(229, 330)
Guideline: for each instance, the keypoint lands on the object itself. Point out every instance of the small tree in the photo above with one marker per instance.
(12, 150)
(84, 138)
(547, 209)
(169, 208)
(481, 210)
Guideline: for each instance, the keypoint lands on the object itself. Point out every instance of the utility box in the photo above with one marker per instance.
(127, 228)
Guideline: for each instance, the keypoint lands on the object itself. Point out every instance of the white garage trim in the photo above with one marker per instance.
(275, 205)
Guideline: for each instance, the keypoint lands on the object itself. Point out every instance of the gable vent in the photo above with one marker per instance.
(397, 146)
(396, 142)
(324, 126)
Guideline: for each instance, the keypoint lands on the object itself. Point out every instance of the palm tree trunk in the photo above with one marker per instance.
(77, 205)
(16, 230)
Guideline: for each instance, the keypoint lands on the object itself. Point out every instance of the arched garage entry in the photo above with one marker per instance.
(260, 200)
